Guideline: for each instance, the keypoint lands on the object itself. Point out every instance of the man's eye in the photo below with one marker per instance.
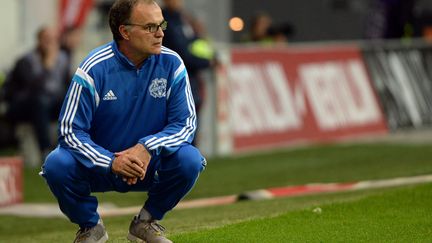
(151, 27)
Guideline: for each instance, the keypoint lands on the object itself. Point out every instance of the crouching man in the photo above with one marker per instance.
(126, 125)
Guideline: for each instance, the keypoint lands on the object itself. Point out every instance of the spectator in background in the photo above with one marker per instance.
(259, 28)
(184, 35)
(263, 31)
(280, 33)
(69, 41)
(423, 19)
(36, 85)
(390, 19)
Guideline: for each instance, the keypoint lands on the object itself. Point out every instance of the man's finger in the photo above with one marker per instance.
(136, 160)
(127, 174)
(119, 153)
(134, 170)
(132, 181)
(138, 168)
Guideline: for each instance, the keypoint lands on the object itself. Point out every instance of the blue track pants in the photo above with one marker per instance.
(167, 180)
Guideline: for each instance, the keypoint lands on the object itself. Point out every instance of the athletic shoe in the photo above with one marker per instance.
(146, 231)
(95, 234)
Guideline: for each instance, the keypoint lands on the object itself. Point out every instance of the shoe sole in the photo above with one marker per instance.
(133, 238)
(103, 239)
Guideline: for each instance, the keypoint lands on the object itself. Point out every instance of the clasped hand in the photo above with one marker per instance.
(131, 163)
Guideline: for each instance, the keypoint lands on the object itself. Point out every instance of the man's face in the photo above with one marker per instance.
(48, 39)
(140, 40)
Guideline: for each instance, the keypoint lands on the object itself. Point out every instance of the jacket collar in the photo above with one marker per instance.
(123, 59)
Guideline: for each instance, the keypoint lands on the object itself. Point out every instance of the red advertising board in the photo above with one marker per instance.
(286, 95)
(73, 13)
(10, 180)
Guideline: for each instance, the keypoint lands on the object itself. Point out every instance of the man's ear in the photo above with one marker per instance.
(124, 31)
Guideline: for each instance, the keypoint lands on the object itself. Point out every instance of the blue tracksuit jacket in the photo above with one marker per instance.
(111, 105)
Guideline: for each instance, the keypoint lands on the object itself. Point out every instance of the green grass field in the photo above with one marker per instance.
(384, 215)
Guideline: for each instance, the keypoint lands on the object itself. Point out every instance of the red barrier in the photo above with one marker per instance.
(285, 95)
(11, 178)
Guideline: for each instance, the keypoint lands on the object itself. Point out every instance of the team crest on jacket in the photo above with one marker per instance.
(158, 87)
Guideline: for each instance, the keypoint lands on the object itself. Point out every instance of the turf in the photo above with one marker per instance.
(386, 215)
(395, 216)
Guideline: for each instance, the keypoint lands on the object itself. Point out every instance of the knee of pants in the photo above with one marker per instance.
(191, 162)
(57, 166)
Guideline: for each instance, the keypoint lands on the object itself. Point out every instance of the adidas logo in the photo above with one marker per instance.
(110, 96)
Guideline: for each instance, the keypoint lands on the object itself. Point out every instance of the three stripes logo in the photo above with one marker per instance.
(110, 96)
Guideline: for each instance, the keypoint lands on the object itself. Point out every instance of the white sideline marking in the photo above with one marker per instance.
(47, 210)
(401, 181)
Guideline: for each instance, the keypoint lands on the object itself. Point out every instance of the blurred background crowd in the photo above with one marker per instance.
(43, 41)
